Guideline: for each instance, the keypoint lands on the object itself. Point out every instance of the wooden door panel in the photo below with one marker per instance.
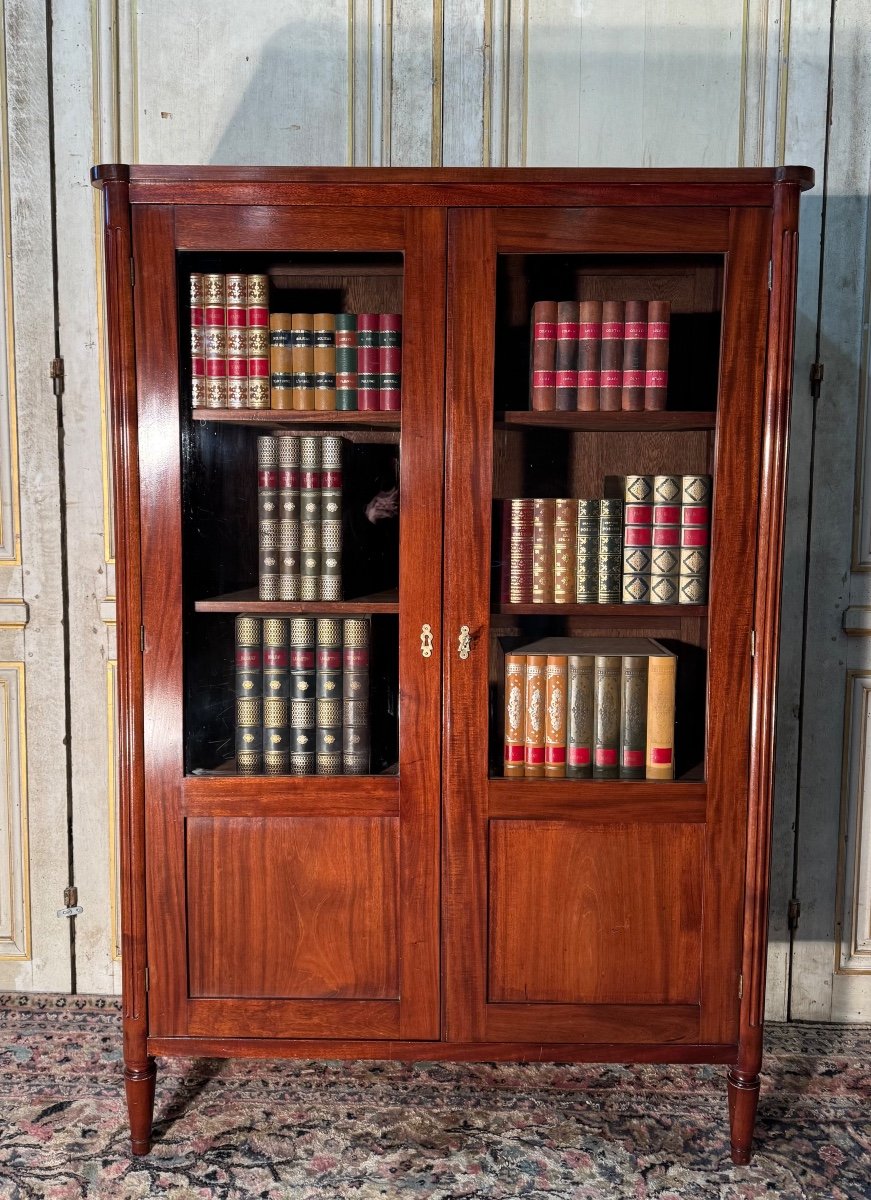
(308, 910)
(607, 914)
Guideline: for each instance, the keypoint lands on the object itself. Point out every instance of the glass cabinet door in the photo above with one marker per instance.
(292, 536)
(604, 396)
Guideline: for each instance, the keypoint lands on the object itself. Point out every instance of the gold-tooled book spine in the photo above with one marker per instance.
(542, 551)
(515, 715)
(198, 349)
(606, 764)
(324, 338)
(258, 341)
(665, 552)
(276, 705)
(695, 538)
(237, 341)
(356, 639)
(289, 587)
(280, 361)
(555, 695)
(302, 343)
(656, 357)
(633, 717)
(587, 558)
(215, 339)
(610, 551)
(542, 383)
(268, 518)
(249, 696)
(565, 539)
(533, 760)
(637, 534)
(579, 736)
(662, 672)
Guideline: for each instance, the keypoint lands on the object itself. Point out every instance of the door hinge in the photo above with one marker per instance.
(142, 639)
(133, 272)
(770, 274)
(56, 375)
(752, 643)
(146, 979)
(817, 372)
(71, 907)
(793, 912)
(740, 987)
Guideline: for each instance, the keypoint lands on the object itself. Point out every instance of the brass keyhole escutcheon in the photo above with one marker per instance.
(464, 646)
(426, 640)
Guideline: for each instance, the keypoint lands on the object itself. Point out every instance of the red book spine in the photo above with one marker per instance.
(695, 517)
(368, 362)
(611, 377)
(215, 340)
(198, 352)
(589, 354)
(656, 356)
(567, 356)
(237, 341)
(543, 380)
(634, 346)
(259, 394)
(390, 364)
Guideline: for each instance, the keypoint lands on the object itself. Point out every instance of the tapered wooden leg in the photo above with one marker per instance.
(139, 1084)
(743, 1099)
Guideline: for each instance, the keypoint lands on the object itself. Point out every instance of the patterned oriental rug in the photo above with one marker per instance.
(317, 1130)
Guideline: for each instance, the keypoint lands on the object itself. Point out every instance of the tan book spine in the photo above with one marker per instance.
(542, 551)
(324, 331)
(659, 758)
(555, 689)
(280, 361)
(533, 758)
(565, 536)
(302, 341)
(515, 715)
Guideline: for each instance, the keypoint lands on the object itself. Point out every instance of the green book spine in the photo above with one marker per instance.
(579, 763)
(346, 361)
(606, 763)
(633, 716)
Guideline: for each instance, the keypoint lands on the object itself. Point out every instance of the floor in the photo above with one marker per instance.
(320, 1130)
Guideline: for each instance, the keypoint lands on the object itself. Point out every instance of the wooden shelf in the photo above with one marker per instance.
(598, 800)
(636, 613)
(305, 420)
(634, 422)
(246, 601)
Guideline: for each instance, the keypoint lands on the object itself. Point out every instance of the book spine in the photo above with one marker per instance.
(215, 339)
(665, 554)
(589, 354)
(634, 343)
(520, 551)
(542, 392)
(533, 739)
(567, 355)
(324, 337)
(276, 707)
(356, 638)
(695, 538)
(268, 518)
(542, 551)
(258, 341)
(331, 518)
(611, 375)
(249, 696)
(555, 691)
(515, 715)
(368, 362)
(656, 355)
(280, 361)
(310, 518)
(637, 539)
(288, 520)
(610, 551)
(302, 695)
(198, 349)
(565, 540)
(579, 764)
(303, 348)
(662, 671)
(389, 361)
(633, 716)
(587, 558)
(237, 341)
(346, 361)
(328, 697)
(606, 708)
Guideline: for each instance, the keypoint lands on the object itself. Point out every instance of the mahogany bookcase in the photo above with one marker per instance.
(434, 909)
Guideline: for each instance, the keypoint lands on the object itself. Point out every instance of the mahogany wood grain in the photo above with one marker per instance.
(625, 421)
(591, 801)
(331, 422)
(640, 230)
(663, 1023)
(232, 228)
(247, 601)
(290, 795)
(284, 1018)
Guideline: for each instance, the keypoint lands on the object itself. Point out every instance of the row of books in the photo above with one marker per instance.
(647, 541)
(343, 361)
(590, 708)
(302, 696)
(591, 355)
(229, 318)
(299, 502)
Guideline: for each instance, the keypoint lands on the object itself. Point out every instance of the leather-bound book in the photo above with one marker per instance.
(198, 349)
(280, 361)
(237, 341)
(555, 697)
(695, 538)
(579, 754)
(589, 354)
(258, 341)
(331, 518)
(324, 335)
(543, 374)
(310, 517)
(518, 584)
(276, 704)
(665, 554)
(268, 518)
(215, 339)
(656, 355)
(515, 715)
(346, 361)
(611, 375)
(328, 696)
(610, 551)
(565, 543)
(368, 362)
(289, 585)
(302, 695)
(633, 716)
(637, 538)
(542, 551)
(249, 696)
(587, 556)
(662, 673)
(533, 755)
(356, 638)
(567, 356)
(389, 361)
(303, 347)
(634, 350)
(606, 709)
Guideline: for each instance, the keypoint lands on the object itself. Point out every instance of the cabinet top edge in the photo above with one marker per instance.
(145, 175)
